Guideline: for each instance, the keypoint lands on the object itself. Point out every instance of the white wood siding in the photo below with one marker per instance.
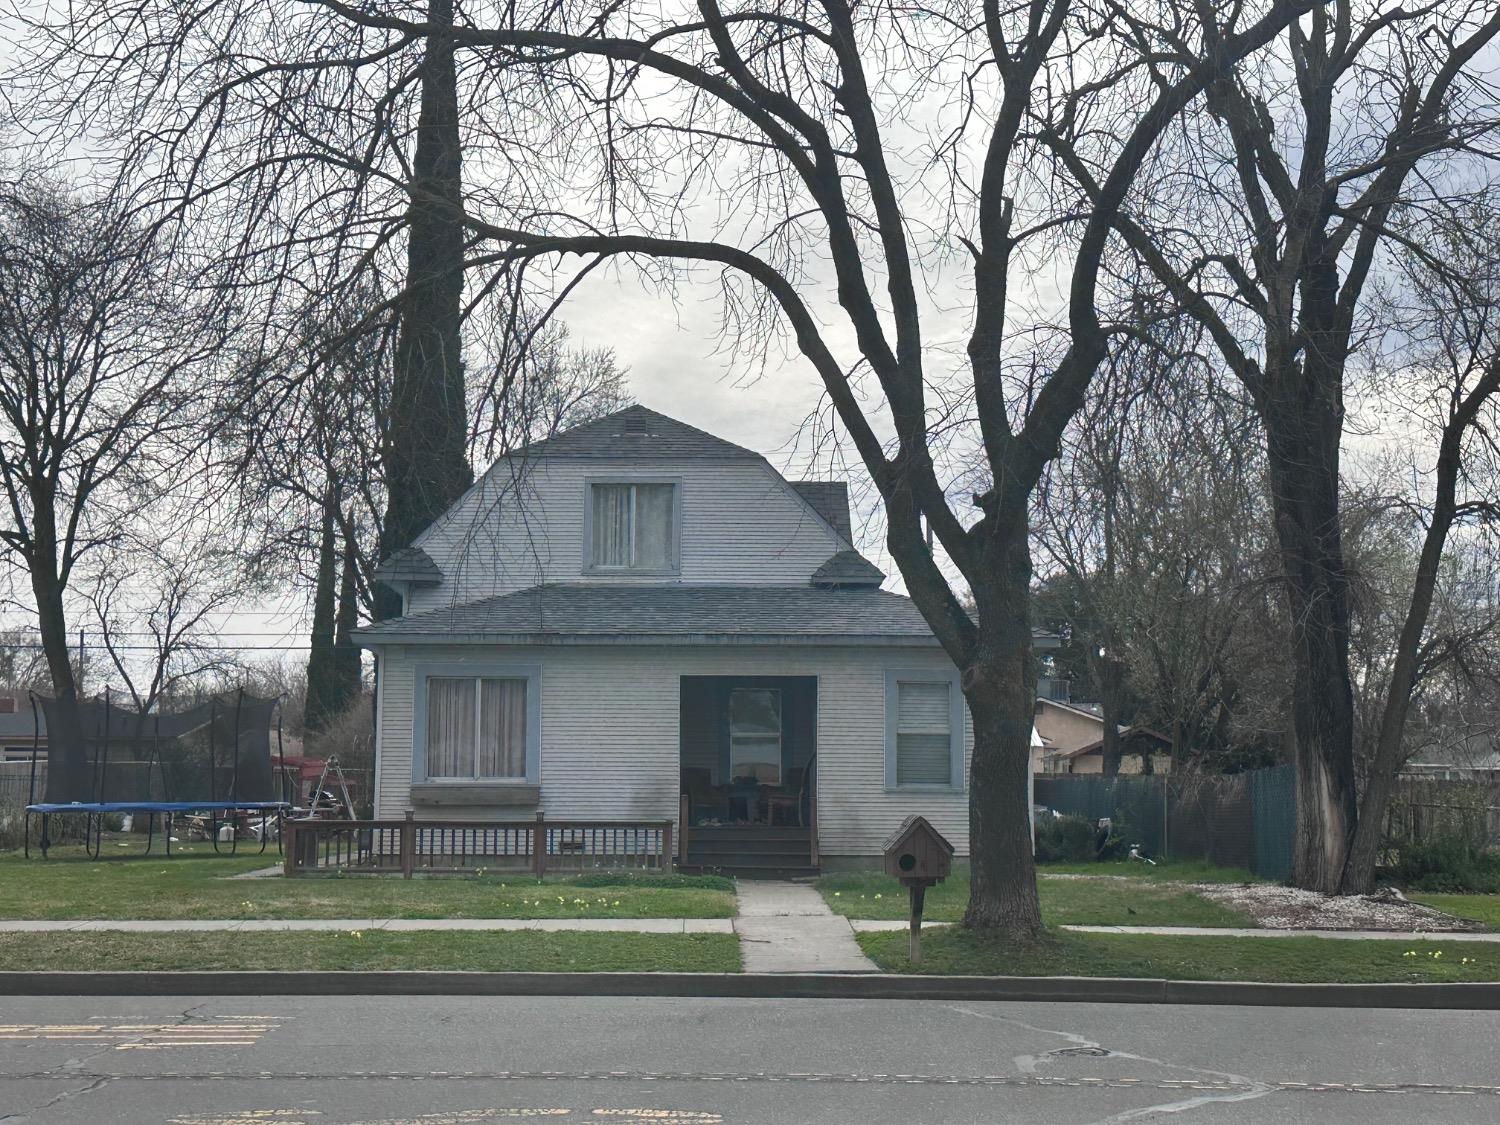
(609, 739)
(741, 525)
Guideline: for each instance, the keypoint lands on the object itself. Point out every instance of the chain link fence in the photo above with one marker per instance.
(1241, 820)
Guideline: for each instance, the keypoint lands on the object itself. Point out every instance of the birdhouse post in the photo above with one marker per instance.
(918, 856)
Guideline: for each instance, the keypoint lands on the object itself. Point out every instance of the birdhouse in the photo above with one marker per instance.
(917, 853)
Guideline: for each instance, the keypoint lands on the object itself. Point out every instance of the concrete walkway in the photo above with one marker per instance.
(788, 928)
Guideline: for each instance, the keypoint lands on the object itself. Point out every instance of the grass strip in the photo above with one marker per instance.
(197, 884)
(956, 952)
(1078, 902)
(1481, 908)
(369, 950)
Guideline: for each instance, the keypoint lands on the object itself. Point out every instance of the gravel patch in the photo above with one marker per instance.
(1287, 908)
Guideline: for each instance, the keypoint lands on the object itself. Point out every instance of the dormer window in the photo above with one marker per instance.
(632, 527)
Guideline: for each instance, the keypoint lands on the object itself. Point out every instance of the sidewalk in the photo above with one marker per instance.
(788, 928)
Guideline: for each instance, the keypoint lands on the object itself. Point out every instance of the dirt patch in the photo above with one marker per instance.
(1287, 908)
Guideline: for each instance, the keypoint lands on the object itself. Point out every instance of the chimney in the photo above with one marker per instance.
(7, 705)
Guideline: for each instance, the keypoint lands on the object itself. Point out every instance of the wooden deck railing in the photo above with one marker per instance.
(535, 846)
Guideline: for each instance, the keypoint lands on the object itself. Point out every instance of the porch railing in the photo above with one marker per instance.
(539, 846)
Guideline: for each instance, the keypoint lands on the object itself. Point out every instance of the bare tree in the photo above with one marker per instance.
(153, 606)
(99, 350)
(1276, 212)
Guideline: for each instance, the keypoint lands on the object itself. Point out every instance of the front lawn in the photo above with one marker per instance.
(1069, 901)
(952, 951)
(1481, 908)
(368, 950)
(194, 884)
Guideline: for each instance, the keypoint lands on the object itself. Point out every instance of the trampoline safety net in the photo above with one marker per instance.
(216, 751)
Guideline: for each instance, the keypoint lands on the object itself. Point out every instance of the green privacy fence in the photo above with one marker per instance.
(1237, 820)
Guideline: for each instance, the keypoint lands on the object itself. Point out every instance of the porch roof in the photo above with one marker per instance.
(597, 613)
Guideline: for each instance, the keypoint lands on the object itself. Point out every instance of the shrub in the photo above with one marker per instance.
(1064, 839)
(1450, 864)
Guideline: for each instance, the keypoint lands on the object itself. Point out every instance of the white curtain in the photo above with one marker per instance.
(502, 729)
(653, 526)
(450, 727)
(924, 730)
(611, 525)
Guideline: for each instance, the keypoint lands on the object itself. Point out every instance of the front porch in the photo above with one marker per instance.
(748, 800)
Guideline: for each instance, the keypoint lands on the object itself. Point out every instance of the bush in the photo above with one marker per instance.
(1447, 864)
(1064, 839)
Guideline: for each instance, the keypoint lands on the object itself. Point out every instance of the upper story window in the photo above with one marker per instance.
(632, 526)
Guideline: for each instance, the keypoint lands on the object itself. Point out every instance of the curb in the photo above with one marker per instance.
(824, 986)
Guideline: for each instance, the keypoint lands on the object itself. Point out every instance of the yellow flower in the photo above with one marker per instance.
(358, 935)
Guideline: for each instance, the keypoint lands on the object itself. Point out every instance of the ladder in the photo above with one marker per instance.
(331, 765)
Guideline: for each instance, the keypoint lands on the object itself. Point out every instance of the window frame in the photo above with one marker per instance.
(957, 764)
(422, 673)
(675, 547)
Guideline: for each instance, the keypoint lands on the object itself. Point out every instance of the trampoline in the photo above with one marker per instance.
(211, 760)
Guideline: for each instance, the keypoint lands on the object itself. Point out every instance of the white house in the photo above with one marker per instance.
(635, 620)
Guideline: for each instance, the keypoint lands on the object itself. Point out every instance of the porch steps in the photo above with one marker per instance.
(752, 851)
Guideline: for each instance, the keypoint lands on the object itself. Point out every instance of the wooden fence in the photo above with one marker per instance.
(536, 846)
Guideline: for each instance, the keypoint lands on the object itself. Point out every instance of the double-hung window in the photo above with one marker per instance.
(632, 526)
(924, 731)
(476, 728)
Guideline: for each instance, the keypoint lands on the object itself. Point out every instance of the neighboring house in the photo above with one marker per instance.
(1139, 746)
(634, 618)
(19, 732)
(1065, 727)
(1073, 734)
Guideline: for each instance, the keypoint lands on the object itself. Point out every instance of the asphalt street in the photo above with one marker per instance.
(452, 1060)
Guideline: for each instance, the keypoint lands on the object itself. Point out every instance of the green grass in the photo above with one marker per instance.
(195, 884)
(516, 951)
(1079, 902)
(1481, 908)
(952, 951)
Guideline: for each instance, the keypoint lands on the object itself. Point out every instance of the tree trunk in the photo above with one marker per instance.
(1303, 431)
(426, 463)
(1000, 687)
(1385, 766)
(346, 663)
(320, 672)
(69, 776)
(1109, 674)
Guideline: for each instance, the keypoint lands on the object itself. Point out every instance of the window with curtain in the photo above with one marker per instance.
(924, 733)
(755, 734)
(632, 526)
(476, 728)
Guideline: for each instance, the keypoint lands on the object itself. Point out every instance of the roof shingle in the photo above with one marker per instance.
(638, 614)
